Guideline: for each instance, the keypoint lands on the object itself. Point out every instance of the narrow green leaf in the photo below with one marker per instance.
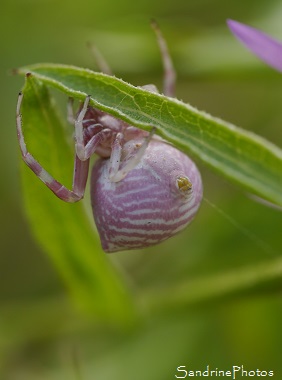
(262, 278)
(64, 230)
(242, 157)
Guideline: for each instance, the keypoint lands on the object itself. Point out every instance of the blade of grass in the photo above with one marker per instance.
(210, 291)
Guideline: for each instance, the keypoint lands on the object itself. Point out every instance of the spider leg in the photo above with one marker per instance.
(80, 175)
(94, 142)
(71, 115)
(78, 125)
(100, 60)
(133, 161)
(169, 72)
(115, 157)
(80, 168)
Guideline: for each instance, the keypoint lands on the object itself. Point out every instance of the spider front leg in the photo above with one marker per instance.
(80, 168)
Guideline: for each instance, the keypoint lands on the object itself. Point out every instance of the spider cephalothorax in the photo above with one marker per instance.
(143, 190)
(103, 128)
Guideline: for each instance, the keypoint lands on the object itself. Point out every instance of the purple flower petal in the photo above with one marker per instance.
(265, 47)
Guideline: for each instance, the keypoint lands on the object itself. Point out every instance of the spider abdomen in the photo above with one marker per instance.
(156, 199)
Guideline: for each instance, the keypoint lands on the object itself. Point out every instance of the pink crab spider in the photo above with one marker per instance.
(143, 190)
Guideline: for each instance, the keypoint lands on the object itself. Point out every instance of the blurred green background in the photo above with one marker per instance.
(43, 335)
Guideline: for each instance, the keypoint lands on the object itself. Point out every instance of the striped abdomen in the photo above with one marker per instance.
(156, 200)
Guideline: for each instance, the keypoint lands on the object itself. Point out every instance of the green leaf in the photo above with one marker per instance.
(240, 156)
(64, 230)
(203, 292)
